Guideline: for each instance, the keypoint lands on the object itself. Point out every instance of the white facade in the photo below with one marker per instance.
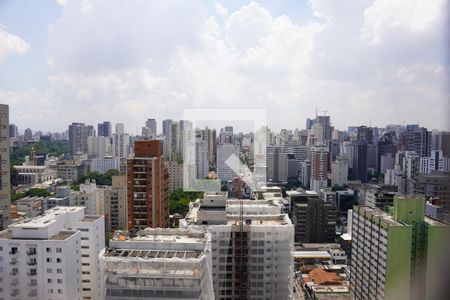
(261, 242)
(121, 143)
(224, 152)
(436, 162)
(49, 257)
(101, 165)
(98, 146)
(339, 172)
(158, 264)
(89, 196)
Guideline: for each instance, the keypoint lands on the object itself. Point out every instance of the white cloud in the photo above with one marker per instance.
(10, 43)
(220, 9)
(161, 57)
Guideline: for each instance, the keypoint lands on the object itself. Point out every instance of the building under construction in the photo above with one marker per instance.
(252, 246)
(158, 264)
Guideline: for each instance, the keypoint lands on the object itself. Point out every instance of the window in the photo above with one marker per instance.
(58, 250)
(49, 250)
(49, 259)
(58, 260)
(59, 271)
(49, 280)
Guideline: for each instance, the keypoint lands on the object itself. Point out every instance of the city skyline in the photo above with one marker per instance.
(388, 64)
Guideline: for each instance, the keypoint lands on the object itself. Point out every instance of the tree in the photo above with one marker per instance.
(179, 200)
(34, 192)
(101, 179)
(52, 148)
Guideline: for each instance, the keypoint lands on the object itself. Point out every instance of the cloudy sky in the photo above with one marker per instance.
(363, 61)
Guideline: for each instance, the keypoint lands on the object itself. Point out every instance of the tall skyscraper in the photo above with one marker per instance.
(319, 167)
(104, 129)
(395, 256)
(147, 186)
(166, 125)
(120, 146)
(365, 134)
(120, 128)
(90, 130)
(277, 164)
(418, 139)
(152, 127)
(5, 183)
(339, 172)
(444, 142)
(359, 160)
(13, 131)
(201, 157)
(77, 138)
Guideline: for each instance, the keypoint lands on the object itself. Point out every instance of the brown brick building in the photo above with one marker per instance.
(147, 181)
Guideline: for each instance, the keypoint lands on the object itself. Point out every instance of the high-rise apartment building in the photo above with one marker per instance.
(77, 138)
(319, 167)
(418, 139)
(251, 246)
(365, 134)
(158, 264)
(339, 172)
(359, 160)
(147, 180)
(166, 129)
(98, 146)
(443, 141)
(104, 129)
(120, 146)
(54, 256)
(395, 256)
(435, 162)
(116, 204)
(224, 152)
(152, 127)
(314, 219)
(277, 164)
(5, 180)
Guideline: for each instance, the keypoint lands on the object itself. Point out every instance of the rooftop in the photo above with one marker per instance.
(62, 235)
(48, 218)
(382, 215)
(151, 254)
(90, 218)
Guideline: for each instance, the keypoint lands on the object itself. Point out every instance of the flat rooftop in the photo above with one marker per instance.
(152, 254)
(47, 219)
(378, 213)
(90, 218)
(60, 236)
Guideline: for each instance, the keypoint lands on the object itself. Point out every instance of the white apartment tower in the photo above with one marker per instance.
(339, 172)
(158, 264)
(5, 187)
(54, 256)
(98, 146)
(319, 168)
(252, 246)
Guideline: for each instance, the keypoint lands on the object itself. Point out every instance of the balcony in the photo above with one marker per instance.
(31, 263)
(31, 252)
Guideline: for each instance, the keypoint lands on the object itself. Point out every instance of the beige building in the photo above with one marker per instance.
(116, 204)
(5, 185)
(175, 171)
